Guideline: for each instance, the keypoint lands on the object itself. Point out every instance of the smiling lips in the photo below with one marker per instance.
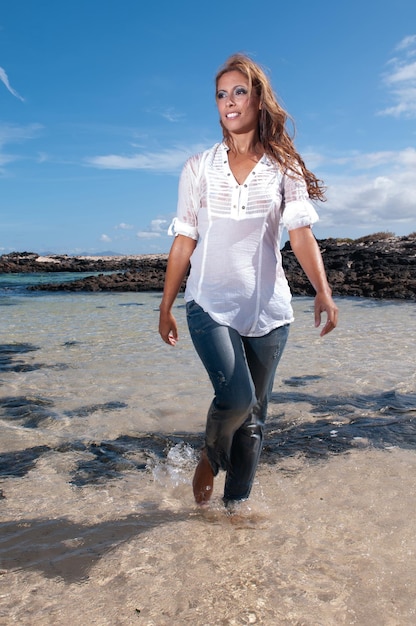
(232, 116)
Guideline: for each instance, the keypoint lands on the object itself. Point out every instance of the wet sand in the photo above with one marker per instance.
(320, 543)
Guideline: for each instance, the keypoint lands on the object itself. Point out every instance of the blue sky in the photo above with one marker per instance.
(102, 102)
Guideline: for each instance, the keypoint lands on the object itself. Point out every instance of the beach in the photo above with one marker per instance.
(101, 426)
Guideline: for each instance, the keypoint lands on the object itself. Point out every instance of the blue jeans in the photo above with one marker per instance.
(241, 370)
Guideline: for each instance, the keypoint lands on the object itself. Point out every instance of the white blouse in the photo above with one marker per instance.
(236, 268)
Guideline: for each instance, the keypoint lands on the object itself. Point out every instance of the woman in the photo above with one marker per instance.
(234, 200)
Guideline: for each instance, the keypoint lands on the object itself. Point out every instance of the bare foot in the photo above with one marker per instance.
(203, 481)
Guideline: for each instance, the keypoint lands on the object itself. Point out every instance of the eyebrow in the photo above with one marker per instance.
(234, 87)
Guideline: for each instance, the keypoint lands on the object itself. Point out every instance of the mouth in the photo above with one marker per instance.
(232, 116)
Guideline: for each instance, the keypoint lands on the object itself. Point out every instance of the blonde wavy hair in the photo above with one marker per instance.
(273, 135)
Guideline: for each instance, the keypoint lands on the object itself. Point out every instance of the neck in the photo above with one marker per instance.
(246, 144)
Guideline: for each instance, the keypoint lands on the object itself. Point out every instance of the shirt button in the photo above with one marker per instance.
(228, 174)
(243, 207)
(245, 185)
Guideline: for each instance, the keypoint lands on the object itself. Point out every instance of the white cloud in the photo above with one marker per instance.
(124, 226)
(168, 114)
(400, 79)
(373, 160)
(158, 228)
(12, 133)
(407, 42)
(5, 80)
(105, 238)
(172, 116)
(371, 192)
(146, 234)
(169, 161)
(6, 158)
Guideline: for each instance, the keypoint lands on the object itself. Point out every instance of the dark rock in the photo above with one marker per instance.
(376, 266)
(30, 262)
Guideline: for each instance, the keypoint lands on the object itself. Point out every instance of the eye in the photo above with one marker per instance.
(241, 91)
(221, 94)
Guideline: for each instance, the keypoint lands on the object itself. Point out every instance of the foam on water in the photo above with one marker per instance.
(180, 460)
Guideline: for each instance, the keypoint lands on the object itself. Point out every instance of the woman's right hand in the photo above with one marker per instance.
(168, 328)
(177, 267)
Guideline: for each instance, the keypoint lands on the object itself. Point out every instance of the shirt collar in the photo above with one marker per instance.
(265, 159)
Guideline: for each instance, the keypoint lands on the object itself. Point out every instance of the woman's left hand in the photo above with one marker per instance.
(307, 252)
(325, 303)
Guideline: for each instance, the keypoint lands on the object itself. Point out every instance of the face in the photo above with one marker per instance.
(238, 109)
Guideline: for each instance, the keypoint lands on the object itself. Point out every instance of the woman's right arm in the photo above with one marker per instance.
(177, 267)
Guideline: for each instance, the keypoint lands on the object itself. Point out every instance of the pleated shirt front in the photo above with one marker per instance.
(236, 268)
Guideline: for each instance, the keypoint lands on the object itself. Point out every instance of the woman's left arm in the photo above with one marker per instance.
(307, 252)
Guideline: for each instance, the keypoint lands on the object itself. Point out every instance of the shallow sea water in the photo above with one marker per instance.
(100, 429)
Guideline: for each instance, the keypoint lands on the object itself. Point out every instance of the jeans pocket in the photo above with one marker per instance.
(199, 322)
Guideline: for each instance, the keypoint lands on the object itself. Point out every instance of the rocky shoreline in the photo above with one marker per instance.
(376, 266)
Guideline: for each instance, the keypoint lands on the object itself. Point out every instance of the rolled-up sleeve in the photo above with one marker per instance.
(181, 228)
(298, 210)
(186, 220)
(299, 213)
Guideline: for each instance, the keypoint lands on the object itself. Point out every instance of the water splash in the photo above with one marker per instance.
(176, 468)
